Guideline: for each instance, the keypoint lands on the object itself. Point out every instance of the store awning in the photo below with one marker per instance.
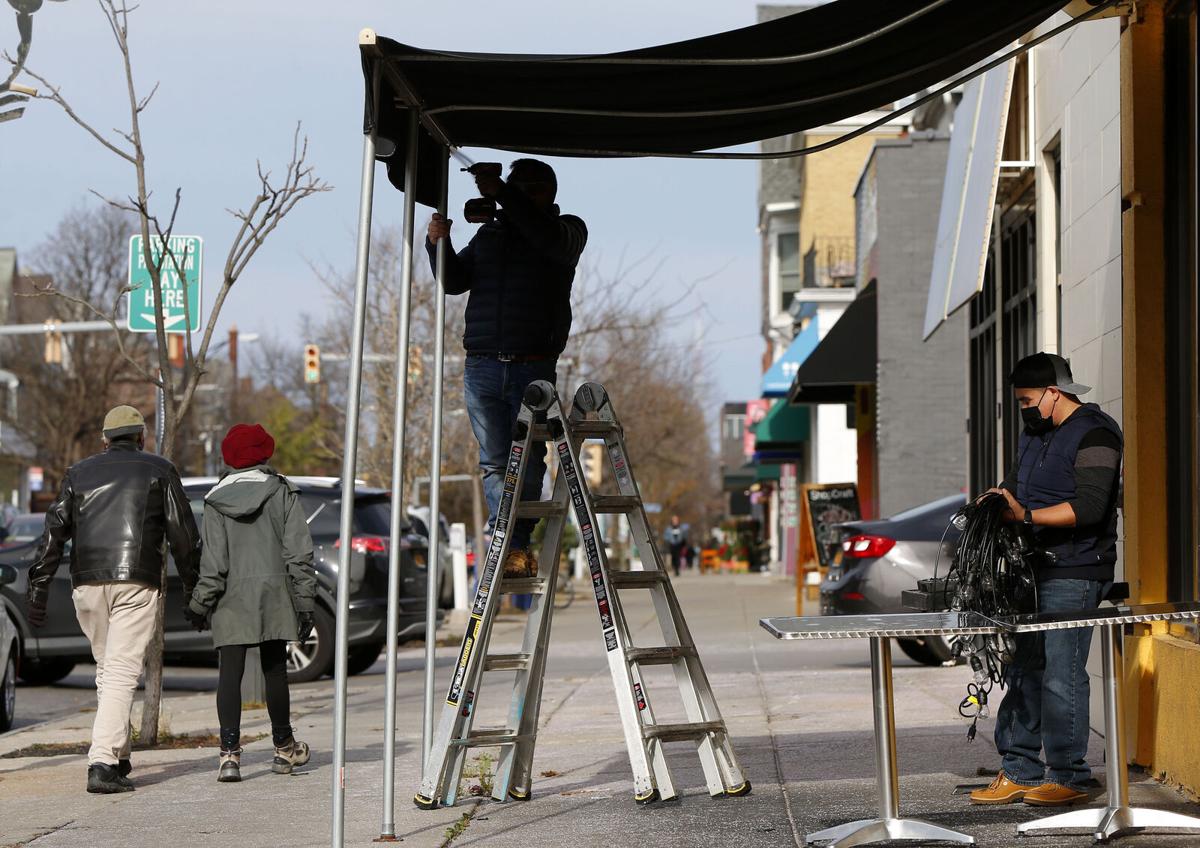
(844, 359)
(778, 379)
(969, 194)
(783, 435)
(809, 69)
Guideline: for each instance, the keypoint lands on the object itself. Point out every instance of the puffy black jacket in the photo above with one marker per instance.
(121, 508)
(519, 271)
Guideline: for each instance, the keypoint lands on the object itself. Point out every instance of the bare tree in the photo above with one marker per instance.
(274, 200)
(61, 405)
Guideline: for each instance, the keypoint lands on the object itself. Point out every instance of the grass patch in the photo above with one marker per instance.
(166, 741)
(458, 828)
(481, 770)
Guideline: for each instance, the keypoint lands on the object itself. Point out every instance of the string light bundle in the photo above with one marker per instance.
(992, 574)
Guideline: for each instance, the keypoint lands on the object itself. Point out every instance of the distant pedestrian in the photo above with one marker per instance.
(257, 583)
(676, 537)
(118, 508)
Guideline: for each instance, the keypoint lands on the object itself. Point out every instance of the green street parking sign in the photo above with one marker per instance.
(180, 298)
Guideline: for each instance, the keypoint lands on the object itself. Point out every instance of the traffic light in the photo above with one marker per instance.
(591, 457)
(312, 363)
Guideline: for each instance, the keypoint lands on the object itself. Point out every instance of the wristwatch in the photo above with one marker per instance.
(1028, 519)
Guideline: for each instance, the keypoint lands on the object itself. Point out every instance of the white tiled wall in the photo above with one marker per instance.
(1077, 90)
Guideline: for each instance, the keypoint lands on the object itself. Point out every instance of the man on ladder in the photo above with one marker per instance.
(518, 269)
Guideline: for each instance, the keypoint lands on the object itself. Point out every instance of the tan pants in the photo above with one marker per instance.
(118, 619)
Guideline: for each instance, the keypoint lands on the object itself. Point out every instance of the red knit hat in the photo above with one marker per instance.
(246, 445)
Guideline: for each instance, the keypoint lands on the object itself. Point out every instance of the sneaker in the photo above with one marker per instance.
(230, 766)
(289, 756)
(1054, 795)
(520, 563)
(1000, 791)
(104, 779)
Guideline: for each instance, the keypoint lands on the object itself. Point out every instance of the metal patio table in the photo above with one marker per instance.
(1116, 817)
(880, 629)
(1108, 822)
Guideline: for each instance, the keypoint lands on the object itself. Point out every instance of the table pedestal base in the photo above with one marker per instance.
(868, 831)
(1107, 823)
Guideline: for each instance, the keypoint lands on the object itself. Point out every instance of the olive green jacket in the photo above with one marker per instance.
(256, 567)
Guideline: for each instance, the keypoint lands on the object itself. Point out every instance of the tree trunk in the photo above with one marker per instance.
(152, 698)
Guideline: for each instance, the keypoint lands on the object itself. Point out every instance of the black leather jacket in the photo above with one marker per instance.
(121, 508)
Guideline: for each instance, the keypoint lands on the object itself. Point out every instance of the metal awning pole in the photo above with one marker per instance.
(387, 832)
(353, 399)
(435, 474)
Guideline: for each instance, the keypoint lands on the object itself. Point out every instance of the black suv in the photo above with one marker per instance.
(49, 653)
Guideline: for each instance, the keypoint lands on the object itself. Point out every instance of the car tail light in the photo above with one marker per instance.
(853, 596)
(366, 544)
(864, 546)
(470, 559)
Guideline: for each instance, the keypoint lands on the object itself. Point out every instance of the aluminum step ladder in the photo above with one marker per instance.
(541, 417)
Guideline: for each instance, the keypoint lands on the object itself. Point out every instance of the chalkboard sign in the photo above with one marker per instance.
(826, 507)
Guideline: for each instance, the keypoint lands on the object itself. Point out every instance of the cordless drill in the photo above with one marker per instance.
(482, 210)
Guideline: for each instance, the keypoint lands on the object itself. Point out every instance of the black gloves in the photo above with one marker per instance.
(198, 620)
(306, 626)
(36, 613)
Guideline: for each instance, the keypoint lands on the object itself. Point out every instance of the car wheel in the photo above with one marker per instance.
(927, 650)
(312, 659)
(8, 692)
(363, 657)
(50, 670)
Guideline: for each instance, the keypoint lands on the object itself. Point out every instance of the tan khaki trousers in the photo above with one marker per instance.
(118, 619)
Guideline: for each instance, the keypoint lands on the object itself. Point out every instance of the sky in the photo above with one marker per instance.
(236, 76)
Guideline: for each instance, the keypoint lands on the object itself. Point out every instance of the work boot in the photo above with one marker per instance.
(104, 779)
(1000, 791)
(520, 563)
(230, 768)
(289, 755)
(1054, 795)
(124, 767)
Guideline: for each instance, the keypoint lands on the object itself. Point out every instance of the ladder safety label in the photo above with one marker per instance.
(464, 657)
(641, 699)
(500, 532)
(590, 547)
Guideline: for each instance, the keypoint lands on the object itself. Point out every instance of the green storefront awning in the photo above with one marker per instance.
(766, 472)
(783, 425)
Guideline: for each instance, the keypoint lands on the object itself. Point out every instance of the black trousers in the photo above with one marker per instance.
(229, 691)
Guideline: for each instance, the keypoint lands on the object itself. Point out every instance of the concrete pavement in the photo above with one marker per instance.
(799, 715)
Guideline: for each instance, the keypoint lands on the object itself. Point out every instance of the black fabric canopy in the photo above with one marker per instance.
(794, 73)
(844, 359)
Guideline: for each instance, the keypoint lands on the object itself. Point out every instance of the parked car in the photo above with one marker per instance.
(880, 559)
(10, 657)
(419, 517)
(49, 653)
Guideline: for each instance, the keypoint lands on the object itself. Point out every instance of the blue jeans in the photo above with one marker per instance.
(1046, 705)
(493, 392)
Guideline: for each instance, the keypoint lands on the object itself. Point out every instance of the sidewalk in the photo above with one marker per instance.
(799, 715)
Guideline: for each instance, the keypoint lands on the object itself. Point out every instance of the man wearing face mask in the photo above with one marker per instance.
(1064, 488)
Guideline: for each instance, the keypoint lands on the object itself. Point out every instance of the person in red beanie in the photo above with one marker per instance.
(255, 589)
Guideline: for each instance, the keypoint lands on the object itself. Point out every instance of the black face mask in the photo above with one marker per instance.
(1035, 423)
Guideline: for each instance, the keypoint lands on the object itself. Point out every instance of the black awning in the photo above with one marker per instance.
(845, 358)
(805, 70)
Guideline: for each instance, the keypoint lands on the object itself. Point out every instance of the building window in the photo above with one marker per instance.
(982, 400)
(734, 425)
(1182, 304)
(1018, 276)
(787, 263)
(1056, 173)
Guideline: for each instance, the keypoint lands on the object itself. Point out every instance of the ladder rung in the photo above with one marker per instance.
(636, 579)
(615, 504)
(682, 732)
(659, 656)
(506, 662)
(523, 586)
(583, 427)
(489, 738)
(540, 509)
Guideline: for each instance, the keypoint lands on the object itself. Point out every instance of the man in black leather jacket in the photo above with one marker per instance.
(518, 270)
(121, 509)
